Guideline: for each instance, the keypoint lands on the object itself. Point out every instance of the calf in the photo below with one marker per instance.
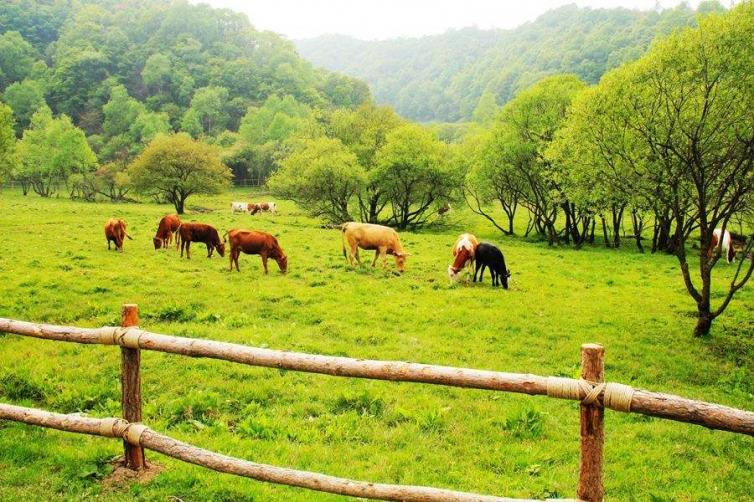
(731, 244)
(239, 207)
(251, 242)
(384, 240)
(490, 256)
(463, 250)
(167, 227)
(199, 232)
(263, 207)
(115, 231)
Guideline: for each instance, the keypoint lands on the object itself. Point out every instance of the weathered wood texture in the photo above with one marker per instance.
(592, 437)
(130, 384)
(173, 448)
(668, 406)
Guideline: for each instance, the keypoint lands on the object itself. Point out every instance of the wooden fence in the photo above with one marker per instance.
(591, 390)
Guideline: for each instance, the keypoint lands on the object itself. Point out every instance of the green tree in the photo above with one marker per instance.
(524, 130)
(322, 176)
(676, 127)
(486, 109)
(208, 111)
(414, 175)
(25, 98)
(175, 167)
(364, 131)
(7, 143)
(17, 56)
(51, 150)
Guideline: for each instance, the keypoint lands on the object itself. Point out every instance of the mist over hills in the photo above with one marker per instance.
(442, 77)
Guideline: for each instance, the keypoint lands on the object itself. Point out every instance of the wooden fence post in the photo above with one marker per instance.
(130, 380)
(592, 429)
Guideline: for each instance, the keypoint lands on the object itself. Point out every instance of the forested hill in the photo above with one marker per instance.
(442, 77)
(169, 55)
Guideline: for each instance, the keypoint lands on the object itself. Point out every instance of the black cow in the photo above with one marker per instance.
(490, 256)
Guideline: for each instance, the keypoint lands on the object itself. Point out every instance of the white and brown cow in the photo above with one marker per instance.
(239, 207)
(383, 240)
(464, 252)
(262, 207)
(730, 245)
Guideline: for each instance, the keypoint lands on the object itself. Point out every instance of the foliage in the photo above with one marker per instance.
(16, 58)
(175, 167)
(675, 129)
(413, 175)
(442, 77)
(7, 143)
(322, 176)
(25, 98)
(51, 150)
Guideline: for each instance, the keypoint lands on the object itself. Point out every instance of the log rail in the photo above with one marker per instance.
(593, 394)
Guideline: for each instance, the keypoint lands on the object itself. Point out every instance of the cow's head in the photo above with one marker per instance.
(505, 277)
(157, 243)
(400, 260)
(453, 273)
(220, 248)
(282, 263)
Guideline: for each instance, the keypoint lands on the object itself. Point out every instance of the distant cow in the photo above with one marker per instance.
(384, 240)
(255, 208)
(115, 231)
(252, 242)
(167, 227)
(490, 256)
(444, 210)
(732, 243)
(239, 207)
(199, 232)
(464, 251)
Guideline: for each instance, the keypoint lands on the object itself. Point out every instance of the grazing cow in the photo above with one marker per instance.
(167, 227)
(732, 243)
(115, 231)
(384, 240)
(255, 208)
(490, 256)
(199, 232)
(240, 207)
(463, 251)
(252, 242)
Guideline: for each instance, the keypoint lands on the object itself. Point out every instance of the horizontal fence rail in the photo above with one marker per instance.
(147, 438)
(672, 407)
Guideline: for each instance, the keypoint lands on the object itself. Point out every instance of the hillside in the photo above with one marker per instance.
(72, 54)
(441, 77)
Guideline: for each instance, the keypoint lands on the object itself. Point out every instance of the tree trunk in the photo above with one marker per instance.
(703, 322)
(179, 204)
(604, 232)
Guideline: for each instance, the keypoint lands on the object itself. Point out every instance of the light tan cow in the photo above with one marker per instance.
(383, 240)
(115, 232)
(464, 251)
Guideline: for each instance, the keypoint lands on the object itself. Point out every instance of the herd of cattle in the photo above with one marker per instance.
(468, 253)
(384, 241)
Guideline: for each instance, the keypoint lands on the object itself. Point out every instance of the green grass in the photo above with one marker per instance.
(55, 267)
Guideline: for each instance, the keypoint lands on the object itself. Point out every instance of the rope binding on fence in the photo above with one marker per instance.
(615, 396)
(117, 427)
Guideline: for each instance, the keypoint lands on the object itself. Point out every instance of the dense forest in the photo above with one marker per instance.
(122, 72)
(442, 77)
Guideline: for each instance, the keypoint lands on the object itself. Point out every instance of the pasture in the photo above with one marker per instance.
(55, 267)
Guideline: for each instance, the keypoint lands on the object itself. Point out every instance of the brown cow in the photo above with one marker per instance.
(384, 240)
(254, 208)
(167, 227)
(199, 232)
(252, 242)
(464, 251)
(115, 231)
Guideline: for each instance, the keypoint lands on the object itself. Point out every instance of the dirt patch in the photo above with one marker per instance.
(122, 475)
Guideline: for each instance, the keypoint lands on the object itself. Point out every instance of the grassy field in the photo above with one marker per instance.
(55, 267)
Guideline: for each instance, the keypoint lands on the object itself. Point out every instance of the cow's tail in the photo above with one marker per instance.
(178, 236)
(225, 235)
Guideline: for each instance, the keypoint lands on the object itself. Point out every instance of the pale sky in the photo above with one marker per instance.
(380, 19)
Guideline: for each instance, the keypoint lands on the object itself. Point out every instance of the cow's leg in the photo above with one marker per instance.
(264, 263)
(108, 244)
(476, 269)
(376, 255)
(481, 273)
(188, 250)
(353, 255)
(238, 253)
(209, 250)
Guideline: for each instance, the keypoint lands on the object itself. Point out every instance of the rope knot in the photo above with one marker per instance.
(614, 395)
